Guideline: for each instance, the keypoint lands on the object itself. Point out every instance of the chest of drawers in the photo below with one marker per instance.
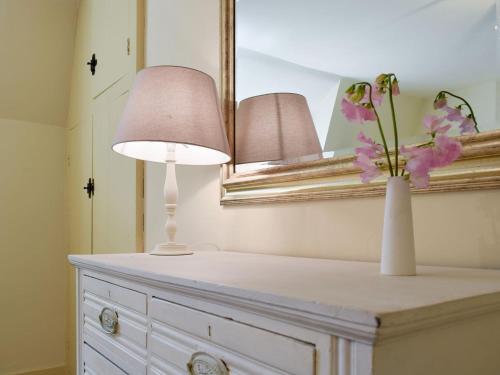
(246, 314)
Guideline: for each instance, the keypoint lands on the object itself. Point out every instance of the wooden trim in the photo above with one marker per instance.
(335, 177)
(227, 41)
(139, 174)
(140, 34)
(49, 371)
(139, 206)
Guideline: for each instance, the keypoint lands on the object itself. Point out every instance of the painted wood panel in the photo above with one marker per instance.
(115, 293)
(110, 29)
(223, 304)
(113, 30)
(280, 352)
(96, 364)
(114, 203)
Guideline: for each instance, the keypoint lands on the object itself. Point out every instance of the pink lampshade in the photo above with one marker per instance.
(172, 104)
(274, 127)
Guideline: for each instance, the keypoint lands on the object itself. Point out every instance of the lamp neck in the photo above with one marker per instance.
(170, 153)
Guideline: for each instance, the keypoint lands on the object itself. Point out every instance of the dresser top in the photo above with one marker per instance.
(328, 289)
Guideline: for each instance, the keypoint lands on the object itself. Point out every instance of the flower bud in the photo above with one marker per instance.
(395, 87)
(381, 79)
(440, 101)
(358, 94)
(350, 90)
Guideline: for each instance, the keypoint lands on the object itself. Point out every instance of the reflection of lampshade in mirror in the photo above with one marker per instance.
(274, 127)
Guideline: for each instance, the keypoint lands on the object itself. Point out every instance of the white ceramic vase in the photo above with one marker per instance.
(398, 245)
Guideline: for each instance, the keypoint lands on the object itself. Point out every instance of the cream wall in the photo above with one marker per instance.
(36, 44)
(32, 252)
(461, 229)
(36, 49)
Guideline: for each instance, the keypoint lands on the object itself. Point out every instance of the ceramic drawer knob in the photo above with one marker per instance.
(205, 364)
(109, 320)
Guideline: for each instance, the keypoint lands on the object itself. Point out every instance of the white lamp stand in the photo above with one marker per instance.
(171, 106)
(171, 192)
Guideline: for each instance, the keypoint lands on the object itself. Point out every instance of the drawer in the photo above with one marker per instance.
(114, 293)
(126, 347)
(131, 328)
(95, 364)
(177, 332)
(126, 359)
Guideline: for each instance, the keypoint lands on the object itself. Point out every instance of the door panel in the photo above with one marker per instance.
(114, 203)
(110, 31)
(103, 28)
(79, 170)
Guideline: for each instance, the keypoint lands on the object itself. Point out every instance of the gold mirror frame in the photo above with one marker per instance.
(336, 177)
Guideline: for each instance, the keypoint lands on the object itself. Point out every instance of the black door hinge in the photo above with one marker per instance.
(90, 187)
(92, 63)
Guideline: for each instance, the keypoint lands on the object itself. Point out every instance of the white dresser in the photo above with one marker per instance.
(247, 314)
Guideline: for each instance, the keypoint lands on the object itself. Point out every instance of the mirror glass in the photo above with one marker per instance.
(318, 48)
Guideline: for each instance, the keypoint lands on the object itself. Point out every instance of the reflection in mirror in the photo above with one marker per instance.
(318, 48)
(275, 128)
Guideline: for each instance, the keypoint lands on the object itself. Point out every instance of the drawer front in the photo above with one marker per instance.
(131, 330)
(114, 293)
(95, 364)
(119, 354)
(126, 345)
(178, 332)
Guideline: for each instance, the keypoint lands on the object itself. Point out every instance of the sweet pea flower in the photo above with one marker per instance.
(370, 147)
(370, 170)
(357, 113)
(395, 87)
(420, 161)
(419, 164)
(467, 126)
(454, 114)
(446, 151)
(440, 103)
(377, 95)
(433, 125)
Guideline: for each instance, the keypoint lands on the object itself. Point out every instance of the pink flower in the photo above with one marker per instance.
(433, 124)
(419, 164)
(446, 151)
(357, 113)
(440, 103)
(467, 126)
(370, 147)
(454, 114)
(370, 170)
(395, 87)
(420, 161)
(377, 95)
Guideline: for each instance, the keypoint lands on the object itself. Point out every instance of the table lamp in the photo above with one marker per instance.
(275, 127)
(172, 116)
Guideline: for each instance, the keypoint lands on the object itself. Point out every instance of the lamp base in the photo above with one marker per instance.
(170, 249)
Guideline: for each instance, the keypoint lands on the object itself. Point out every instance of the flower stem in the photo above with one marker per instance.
(466, 103)
(394, 124)
(386, 149)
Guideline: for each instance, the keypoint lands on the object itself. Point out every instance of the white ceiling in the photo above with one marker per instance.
(429, 44)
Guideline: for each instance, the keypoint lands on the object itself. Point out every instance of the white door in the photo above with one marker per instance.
(80, 204)
(110, 30)
(114, 220)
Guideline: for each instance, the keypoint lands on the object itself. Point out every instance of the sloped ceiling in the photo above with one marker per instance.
(36, 50)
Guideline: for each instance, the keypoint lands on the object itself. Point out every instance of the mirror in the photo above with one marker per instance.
(318, 48)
